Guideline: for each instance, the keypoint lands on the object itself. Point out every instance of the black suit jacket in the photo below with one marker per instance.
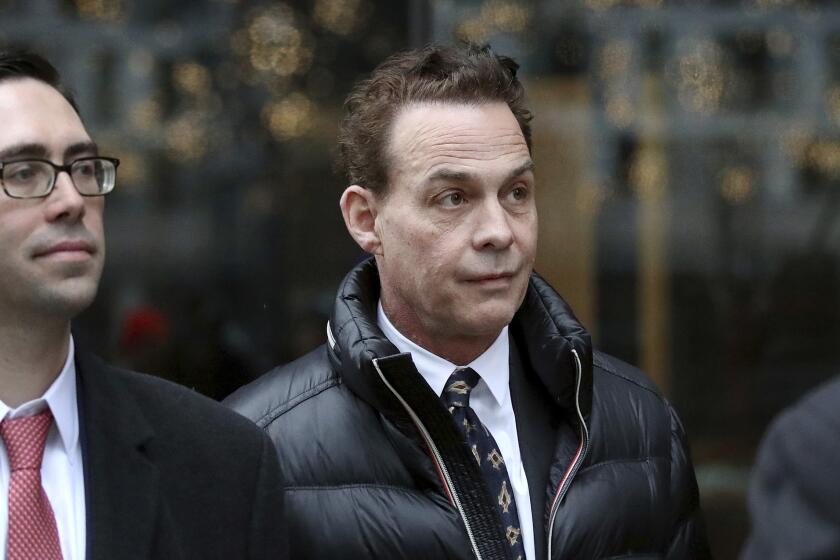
(171, 474)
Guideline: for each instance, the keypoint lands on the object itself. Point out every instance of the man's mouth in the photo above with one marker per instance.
(491, 279)
(67, 249)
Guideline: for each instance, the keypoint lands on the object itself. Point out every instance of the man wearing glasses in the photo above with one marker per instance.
(97, 462)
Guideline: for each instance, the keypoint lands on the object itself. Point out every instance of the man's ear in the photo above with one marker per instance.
(358, 206)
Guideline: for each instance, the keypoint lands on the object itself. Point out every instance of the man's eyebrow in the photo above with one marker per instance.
(446, 174)
(522, 169)
(461, 176)
(80, 148)
(24, 150)
(33, 150)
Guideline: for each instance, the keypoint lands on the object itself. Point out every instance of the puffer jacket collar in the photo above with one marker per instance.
(544, 327)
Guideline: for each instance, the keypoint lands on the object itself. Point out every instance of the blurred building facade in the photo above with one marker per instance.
(688, 159)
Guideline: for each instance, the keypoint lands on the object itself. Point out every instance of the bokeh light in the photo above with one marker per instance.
(824, 157)
(619, 110)
(602, 4)
(101, 10)
(273, 44)
(737, 184)
(701, 78)
(187, 137)
(192, 78)
(613, 64)
(290, 117)
(342, 17)
(649, 172)
(494, 16)
(145, 115)
(609, 4)
(590, 197)
(796, 141)
(133, 169)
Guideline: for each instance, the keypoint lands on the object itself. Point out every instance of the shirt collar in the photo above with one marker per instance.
(60, 398)
(493, 365)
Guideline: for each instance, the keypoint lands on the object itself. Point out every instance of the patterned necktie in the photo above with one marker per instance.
(456, 394)
(33, 534)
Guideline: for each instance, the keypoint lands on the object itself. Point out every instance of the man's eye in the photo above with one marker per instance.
(21, 173)
(518, 194)
(453, 199)
(86, 168)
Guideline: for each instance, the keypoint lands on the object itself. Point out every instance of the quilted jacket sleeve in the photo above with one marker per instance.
(688, 540)
(794, 495)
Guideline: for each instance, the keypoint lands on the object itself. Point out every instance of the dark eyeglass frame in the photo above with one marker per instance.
(68, 167)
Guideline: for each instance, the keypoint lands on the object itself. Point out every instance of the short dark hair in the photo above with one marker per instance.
(471, 74)
(18, 63)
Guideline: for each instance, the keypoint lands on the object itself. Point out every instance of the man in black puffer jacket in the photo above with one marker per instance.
(458, 409)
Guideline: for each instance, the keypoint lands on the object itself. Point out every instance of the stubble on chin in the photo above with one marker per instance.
(68, 300)
(67, 295)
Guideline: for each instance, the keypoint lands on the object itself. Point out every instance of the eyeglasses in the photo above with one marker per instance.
(35, 178)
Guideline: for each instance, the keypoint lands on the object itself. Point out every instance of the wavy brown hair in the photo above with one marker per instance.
(470, 74)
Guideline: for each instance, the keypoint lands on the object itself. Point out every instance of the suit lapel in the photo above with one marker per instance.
(536, 430)
(121, 483)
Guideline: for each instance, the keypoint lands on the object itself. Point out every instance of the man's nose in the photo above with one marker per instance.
(65, 202)
(493, 228)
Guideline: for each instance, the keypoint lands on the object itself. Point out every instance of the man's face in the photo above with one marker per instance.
(458, 225)
(51, 249)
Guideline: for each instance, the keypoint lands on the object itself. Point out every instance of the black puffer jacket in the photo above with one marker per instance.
(376, 469)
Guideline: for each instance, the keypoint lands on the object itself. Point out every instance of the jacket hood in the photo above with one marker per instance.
(544, 328)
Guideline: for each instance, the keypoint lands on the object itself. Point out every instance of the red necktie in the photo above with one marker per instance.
(33, 534)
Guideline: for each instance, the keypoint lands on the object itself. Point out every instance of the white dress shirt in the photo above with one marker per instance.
(62, 475)
(491, 402)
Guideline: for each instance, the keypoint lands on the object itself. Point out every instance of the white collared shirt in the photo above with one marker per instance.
(491, 402)
(62, 474)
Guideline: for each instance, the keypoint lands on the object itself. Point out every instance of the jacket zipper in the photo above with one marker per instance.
(447, 480)
(330, 337)
(583, 448)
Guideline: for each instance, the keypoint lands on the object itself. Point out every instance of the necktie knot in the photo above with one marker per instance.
(458, 387)
(24, 439)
